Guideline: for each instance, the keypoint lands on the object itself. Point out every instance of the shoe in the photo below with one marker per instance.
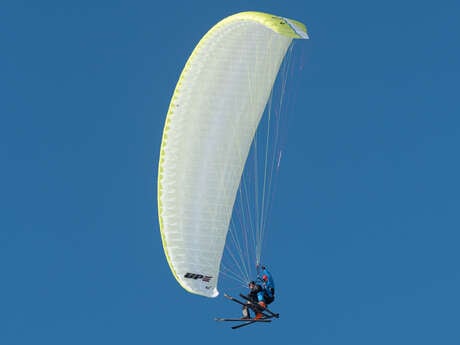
(246, 314)
(262, 305)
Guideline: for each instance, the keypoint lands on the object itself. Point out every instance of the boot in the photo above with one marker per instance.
(259, 315)
(246, 313)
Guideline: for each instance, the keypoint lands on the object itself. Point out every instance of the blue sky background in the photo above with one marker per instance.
(365, 239)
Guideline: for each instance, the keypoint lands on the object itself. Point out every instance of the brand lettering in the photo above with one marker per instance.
(198, 277)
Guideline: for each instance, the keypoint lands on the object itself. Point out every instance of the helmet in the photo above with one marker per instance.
(264, 278)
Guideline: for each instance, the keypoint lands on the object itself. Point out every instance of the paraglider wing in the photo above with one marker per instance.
(213, 115)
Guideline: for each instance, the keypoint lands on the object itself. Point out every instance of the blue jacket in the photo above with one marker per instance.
(269, 285)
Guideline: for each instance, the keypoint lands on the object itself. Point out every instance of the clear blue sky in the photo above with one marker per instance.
(365, 236)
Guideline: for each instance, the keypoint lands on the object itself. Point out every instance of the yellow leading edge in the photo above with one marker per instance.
(213, 115)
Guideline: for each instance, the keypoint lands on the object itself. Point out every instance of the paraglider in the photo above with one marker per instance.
(214, 113)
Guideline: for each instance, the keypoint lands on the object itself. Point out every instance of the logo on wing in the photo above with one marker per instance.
(198, 276)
